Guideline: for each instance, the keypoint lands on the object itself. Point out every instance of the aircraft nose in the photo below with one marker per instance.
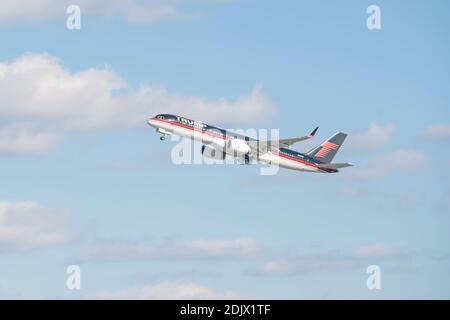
(152, 122)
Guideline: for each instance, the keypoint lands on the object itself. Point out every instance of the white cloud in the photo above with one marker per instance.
(391, 163)
(29, 225)
(23, 138)
(13, 9)
(199, 249)
(275, 267)
(330, 261)
(172, 291)
(116, 251)
(437, 131)
(239, 248)
(375, 250)
(375, 136)
(134, 11)
(36, 87)
(408, 160)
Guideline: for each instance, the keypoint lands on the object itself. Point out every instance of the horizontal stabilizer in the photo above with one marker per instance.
(335, 165)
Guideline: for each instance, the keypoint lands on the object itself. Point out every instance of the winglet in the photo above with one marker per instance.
(314, 132)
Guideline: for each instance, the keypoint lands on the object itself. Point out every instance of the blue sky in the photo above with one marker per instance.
(86, 182)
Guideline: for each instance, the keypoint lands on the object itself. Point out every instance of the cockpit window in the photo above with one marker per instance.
(167, 117)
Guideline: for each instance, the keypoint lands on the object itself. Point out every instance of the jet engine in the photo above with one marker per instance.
(239, 146)
(163, 131)
(213, 153)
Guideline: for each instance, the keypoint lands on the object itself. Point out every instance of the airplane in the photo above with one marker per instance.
(218, 143)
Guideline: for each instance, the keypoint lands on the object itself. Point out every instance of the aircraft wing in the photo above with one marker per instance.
(283, 143)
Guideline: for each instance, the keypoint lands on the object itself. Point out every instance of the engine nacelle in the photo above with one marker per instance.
(239, 146)
(213, 153)
(163, 131)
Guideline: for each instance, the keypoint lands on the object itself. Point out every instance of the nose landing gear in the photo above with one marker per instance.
(162, 138)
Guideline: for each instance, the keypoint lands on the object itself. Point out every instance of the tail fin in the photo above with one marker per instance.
(326, 151)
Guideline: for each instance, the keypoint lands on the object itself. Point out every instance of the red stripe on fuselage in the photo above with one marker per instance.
(296, 160)
(306, 163)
